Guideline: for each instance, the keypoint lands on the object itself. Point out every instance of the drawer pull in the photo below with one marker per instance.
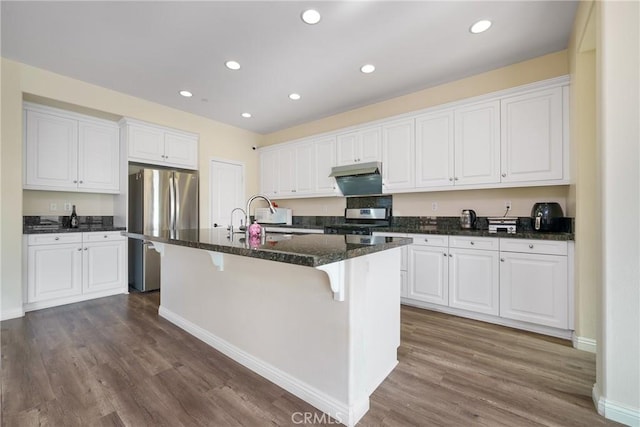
(530, 246)
(57, 238)
(472, 243)
(426, 240)
(450, 256)
(79, 249)
(106, 237)
(86, 249)
(501, 259)
(444, 254)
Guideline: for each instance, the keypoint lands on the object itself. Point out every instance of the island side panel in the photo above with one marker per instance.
(279, 314)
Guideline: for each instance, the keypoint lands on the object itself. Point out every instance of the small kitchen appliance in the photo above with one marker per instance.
(546, 216)
(468, 218)
(281, 216)
(506, 224)
(361, 221)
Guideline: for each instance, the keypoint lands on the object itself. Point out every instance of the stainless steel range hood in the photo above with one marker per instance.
(359, 179)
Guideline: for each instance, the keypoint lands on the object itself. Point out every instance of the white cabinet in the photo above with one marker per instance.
(477, 144)
(325, 159)
(474, 275)
(286, 171)
(66, 151)
(534, 283)
(362, 145)
(434, 162)
(70, 267)
(158, 145)
(428, 269)
(398, 155)
(532, 136)
(304, 169)
(269, 173)
(404, 257)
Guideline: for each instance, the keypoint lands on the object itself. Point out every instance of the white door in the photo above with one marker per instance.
(532, 136)
(103, 266)
(474, 280)
(51, 151)
(434, 150)
(533, 288)
(477, 144)
(98, 157)
(54, 271)
(226, 192)
(398, 155)
(428, 274)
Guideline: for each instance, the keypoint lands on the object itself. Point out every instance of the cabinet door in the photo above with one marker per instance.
(434, 150)
(146, 144)
(54, 271)
(98, 157)
(287, 171)
(51, 158)
(398, 155)
(325, 160)
(474, 280)
(477, 144)
(104, 266)
(348, 148)
(370, 147)
(534, 288)
(181, 150)
(532, 136)
(305, 169)
(269, 172)
(428, 274)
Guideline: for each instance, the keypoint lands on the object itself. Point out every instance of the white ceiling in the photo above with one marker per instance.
(152, 50)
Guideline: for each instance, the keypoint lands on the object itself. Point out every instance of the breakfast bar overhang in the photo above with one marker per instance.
(319, 315)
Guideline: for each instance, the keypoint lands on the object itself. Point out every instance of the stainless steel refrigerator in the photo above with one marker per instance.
(159, 200)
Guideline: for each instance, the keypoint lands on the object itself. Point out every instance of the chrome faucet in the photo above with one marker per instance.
(241, 228)
(248, 210)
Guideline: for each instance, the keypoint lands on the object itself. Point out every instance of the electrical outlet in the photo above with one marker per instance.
(67, 206)
(507, 205)
(53, 207)
(434, 206)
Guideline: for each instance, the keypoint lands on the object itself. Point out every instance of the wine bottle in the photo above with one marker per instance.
(74, 218)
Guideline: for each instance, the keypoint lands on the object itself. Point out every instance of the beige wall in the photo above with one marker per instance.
(38, 203)
(544, 67)
(216, 140)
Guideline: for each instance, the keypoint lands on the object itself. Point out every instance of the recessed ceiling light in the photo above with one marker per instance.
(368, 68)
(186, 93)
(311, 16)
(232, 65)
(480, 26)
(246, 115)
(294, 96)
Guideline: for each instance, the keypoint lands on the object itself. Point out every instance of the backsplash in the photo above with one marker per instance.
(35, 222)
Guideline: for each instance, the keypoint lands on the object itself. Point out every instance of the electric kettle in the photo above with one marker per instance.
(468, 218)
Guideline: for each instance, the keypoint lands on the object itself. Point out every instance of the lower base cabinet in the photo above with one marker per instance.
(428, 270)
(68, 267)
(473, 280)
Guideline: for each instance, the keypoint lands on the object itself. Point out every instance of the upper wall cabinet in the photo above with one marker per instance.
(363, 145)
(66, 151)
(398, 152)
(532, 136)
(158, 145)
(434, 160)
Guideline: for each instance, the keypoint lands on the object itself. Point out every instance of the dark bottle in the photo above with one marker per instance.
(73, 221)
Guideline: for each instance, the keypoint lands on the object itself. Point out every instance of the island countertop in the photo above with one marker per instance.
(311, 250)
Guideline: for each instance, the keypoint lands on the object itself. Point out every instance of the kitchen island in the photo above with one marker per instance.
(317, 314)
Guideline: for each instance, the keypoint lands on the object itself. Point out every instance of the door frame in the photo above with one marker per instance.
(243, 191)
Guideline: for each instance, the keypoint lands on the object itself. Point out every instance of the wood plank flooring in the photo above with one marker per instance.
(114, 362)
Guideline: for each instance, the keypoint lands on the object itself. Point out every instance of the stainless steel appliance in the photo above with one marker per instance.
(468, 218)
(361, 221)
(546, 216)
(359, 179)
(159, 199)
(507, 224)
(281, 216)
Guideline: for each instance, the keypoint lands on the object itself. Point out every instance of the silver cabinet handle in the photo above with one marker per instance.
(86, 249)
(105, 236)
(501, 259)
(81, 182)
(75, 181)
(456, 178)
(79, 249)
(450, 256)
(473, 243)
(530, 246)
(57, 238)
(504, 175)
(444, 254)
(450, 178)
(426, 240)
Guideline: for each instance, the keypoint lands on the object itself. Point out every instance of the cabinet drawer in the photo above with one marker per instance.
(430, 240)
(102, 236)
(468, 242)
(532, 246)
(53, 238)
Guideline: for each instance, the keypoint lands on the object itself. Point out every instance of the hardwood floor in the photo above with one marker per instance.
(114, 362)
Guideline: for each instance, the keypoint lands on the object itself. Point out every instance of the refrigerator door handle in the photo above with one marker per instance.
(172, 202)
(177, 201)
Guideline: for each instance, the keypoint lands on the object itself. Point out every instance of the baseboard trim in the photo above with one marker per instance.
(13, 313)
(345, 414)
(614, 411)
(585, 344)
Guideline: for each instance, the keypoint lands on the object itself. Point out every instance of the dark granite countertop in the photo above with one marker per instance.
(310, 250)
(40, 229)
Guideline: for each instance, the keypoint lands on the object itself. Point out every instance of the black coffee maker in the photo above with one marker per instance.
(546, 216)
